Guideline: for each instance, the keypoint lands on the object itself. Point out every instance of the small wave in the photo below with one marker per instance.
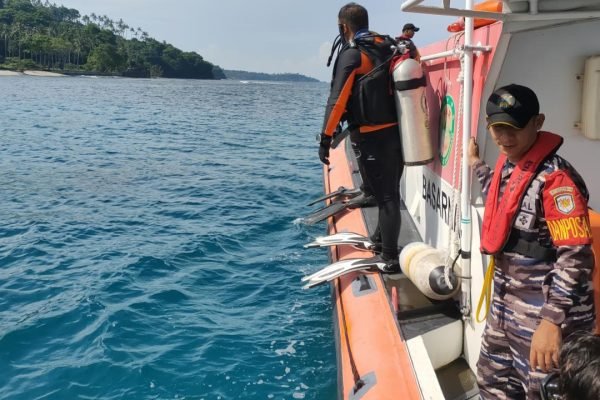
(288, 350)
(147, 245)
(170, 296)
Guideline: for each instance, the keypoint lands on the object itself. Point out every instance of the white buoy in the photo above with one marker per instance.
(425, 267)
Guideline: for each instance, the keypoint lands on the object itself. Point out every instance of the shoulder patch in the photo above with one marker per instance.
(564, 203)
(565, 210)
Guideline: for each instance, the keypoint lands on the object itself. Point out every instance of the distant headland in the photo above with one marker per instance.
(260, 76)
(40, 36)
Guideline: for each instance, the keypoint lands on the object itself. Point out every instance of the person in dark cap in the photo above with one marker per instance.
(536, 227)
(408, 32)
(409, 29)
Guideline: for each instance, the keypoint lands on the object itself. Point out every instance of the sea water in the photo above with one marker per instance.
(148, 243)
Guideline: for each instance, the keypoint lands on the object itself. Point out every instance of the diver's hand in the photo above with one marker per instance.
(473, 152)
(545, 346)
(324, 145)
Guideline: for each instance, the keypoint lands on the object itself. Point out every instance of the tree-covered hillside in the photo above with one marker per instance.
(36, 34)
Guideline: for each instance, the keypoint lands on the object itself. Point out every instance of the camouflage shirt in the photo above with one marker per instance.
(552, 215)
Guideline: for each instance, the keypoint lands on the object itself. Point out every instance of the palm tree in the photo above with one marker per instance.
(16, 33)
(121, 27)
(5, 31)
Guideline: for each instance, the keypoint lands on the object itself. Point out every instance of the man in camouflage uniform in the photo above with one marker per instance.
(536, 225)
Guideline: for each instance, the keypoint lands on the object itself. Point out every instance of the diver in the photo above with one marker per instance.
(361, 93)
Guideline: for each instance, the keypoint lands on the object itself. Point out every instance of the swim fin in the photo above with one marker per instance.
(341, 191)
(324, 213)
(342, 238)
(337, 139)
(338, 269)
(338, 206)
(362, 200)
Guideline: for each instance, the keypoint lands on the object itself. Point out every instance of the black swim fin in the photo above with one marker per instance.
(341, 191)
(337, 139)
(362, 200)
(325, 212)
(338, 206)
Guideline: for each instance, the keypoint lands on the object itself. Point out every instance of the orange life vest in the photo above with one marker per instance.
(500, 215)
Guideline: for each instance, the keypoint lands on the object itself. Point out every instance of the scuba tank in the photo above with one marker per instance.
(411, 106)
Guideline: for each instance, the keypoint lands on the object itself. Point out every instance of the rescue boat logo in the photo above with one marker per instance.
(564, 203)
(447, 114)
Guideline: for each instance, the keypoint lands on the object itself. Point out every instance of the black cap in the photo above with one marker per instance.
(411, 27)
(512, 105)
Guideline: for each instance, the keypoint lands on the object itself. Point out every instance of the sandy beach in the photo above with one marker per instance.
(29, 72)
(41, 73)
(9, 73)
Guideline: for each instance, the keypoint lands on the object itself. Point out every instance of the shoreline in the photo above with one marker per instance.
(5, 72)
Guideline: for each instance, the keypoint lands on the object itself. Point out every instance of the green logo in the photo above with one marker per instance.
(447, 114)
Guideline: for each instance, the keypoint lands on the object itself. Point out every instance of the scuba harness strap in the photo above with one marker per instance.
(371, 98)
(388, 61)
(338, 43)
(373, 94)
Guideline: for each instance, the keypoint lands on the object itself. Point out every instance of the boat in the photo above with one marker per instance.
(393, 342)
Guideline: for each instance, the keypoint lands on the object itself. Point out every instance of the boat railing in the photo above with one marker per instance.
(456, 52)
(536, 12)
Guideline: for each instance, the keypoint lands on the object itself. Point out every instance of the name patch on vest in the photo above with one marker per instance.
(570, 231)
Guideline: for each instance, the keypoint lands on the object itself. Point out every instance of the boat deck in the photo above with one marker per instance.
(417, 314)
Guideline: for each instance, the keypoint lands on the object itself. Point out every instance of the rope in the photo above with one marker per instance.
(358, 382)
(486, 290)
(453, 242)
(458, 144)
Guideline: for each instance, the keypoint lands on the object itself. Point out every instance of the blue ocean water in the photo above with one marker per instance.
(148, 248)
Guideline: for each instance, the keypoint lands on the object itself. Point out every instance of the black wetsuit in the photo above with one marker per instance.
(378, 142)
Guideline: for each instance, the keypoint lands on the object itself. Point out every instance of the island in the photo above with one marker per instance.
(261, 76)
(39, 35)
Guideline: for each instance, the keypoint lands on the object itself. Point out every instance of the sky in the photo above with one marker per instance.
(272, 36)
